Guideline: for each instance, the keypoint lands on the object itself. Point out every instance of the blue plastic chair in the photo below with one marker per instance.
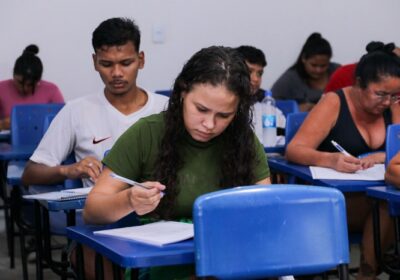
(166, 92)
(293, 123)
(27, 122)
(392, 142)
(287, 106)
(269, 231)
(26, 129)
(392, 148)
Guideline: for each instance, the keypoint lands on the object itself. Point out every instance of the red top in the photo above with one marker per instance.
(45, 92)
(342, 77)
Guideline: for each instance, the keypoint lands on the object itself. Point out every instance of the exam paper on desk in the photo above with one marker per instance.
(158, 233)
(375, 173)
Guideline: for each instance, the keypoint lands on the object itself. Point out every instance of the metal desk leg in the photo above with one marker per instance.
(80, 264)
(99, 267)
(392, 271)
(38, 238)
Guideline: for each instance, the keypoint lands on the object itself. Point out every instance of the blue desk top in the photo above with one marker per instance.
(14, 172)
(73, 204)
(303, 172)
(127, 253)
(384, 192)
(388, 193)
(5, 136)
(65, 205)
(9, 152)
(276, 149)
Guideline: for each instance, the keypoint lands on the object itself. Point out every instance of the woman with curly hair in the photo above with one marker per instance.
(203, 142)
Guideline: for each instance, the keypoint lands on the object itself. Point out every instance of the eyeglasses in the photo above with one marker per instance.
(394, 98)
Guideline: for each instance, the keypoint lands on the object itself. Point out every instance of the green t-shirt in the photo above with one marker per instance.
(134, 156)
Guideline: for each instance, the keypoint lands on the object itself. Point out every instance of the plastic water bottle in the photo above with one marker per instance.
(269, 120)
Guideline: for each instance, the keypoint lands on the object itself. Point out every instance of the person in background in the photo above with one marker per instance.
(256, 62)
(344, 75)
(306, 79)
(26, 86)
(89, 126)
(202, 143)
(356, 117)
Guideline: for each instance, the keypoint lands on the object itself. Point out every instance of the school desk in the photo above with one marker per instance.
(392, 196)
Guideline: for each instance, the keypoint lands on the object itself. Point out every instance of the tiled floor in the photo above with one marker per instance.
(12, 274)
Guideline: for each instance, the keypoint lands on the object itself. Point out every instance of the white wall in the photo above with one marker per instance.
(62, 30)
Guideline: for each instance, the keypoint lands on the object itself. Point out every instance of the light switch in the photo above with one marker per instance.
(158, 34)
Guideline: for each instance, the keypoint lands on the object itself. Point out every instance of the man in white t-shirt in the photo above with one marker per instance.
(90, 125)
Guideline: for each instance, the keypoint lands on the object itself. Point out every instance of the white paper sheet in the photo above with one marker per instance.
(375, 173)
(159, 233)
(68, 194)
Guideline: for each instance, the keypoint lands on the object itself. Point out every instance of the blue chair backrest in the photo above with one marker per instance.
(287, 106)
(166, 92)
(392, 141)
(68, 183)
(268, 231)
(47, 121)
(293, 123)
(27, 122)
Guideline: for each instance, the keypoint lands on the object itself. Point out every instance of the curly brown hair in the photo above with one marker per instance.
(215, 66)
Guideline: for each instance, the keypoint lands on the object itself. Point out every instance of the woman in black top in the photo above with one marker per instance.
(355, 117)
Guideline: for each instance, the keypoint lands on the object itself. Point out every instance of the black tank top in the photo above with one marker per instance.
(346, 133)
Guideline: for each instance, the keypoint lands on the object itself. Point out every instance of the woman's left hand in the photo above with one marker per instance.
(371, 159)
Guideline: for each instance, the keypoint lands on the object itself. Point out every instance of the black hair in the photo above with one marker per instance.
(252, 55)
(215, 66)
(29, 66)
(379, 61)
(314, 45)
(116, 32)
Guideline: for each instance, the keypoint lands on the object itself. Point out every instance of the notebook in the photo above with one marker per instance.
(68, 194)
(375, 173)
(158, 233)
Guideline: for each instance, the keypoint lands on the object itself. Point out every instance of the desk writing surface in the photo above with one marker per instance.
(10, 152)
(374, 173)
(5, 135)
(66, 205)
(389, 193)
(280, 164)
(130, 253)
(14, 172)
(280, 149)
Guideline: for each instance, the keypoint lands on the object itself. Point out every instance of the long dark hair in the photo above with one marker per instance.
(215, 66)
(314, 45)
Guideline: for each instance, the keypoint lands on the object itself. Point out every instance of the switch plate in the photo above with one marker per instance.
(158, 34)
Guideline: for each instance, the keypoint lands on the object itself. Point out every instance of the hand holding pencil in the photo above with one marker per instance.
(146, 197)
(344, 161)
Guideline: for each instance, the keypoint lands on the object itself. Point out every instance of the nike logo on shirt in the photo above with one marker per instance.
(99, 140)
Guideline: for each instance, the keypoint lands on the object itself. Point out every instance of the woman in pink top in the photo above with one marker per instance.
(26, 87)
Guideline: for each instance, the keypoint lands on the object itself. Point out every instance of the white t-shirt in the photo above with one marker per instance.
(89, 126)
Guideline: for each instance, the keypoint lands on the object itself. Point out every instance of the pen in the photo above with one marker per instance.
(340, 148)
(130, 182)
